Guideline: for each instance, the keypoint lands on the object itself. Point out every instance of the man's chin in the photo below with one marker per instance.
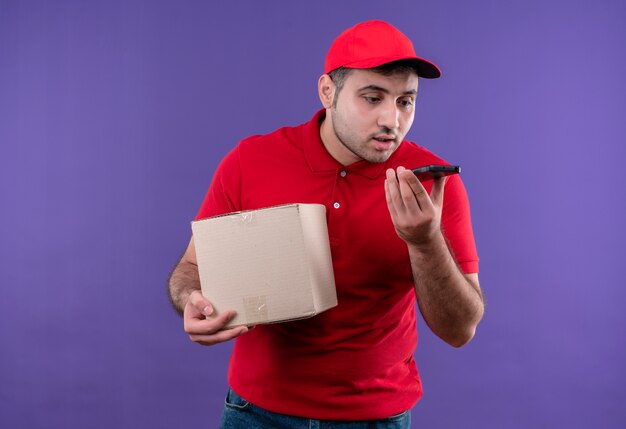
(377, 156)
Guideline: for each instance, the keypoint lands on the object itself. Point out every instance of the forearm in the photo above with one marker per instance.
(183, 281)
(449, 303)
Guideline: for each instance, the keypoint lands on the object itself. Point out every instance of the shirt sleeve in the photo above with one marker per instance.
(457, 225)
(224, 194)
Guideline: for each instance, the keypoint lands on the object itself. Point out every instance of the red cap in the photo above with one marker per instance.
(374, 43)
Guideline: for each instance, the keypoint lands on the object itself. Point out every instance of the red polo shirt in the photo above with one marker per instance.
(355, 361)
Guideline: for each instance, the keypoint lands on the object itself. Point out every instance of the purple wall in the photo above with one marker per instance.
(114, 115)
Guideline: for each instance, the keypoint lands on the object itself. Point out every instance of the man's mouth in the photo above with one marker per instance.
(384, 138)
(383, 144)
(384, 141)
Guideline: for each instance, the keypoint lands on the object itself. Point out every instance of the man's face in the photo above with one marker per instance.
(372, 114)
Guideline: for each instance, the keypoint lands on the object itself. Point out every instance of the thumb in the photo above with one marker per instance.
(436, 193)
(200, 303)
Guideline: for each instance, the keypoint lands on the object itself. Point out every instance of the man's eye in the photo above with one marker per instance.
(372, 100)
(408, 102)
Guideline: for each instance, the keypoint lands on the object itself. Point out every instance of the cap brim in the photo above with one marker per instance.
(423, 68)
(426, 69)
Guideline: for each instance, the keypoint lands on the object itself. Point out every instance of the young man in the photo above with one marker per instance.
(392, 239)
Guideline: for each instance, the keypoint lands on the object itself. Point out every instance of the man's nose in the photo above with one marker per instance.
(389, 116)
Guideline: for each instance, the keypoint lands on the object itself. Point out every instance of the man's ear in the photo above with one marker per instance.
(326, 90)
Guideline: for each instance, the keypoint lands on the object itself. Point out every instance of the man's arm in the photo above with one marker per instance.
(184, 279)
(451, 302)
(188, 301)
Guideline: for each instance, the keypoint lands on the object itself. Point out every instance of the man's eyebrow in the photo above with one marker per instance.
(385, 90)
(374, 88)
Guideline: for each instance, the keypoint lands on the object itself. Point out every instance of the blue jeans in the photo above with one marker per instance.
(241, 414)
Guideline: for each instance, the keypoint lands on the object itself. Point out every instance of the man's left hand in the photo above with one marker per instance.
(415, 215)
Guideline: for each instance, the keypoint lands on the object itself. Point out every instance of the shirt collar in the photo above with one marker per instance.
(319, 159)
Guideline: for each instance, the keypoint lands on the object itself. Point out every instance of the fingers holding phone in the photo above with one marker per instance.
(438, 173)
(416, 215)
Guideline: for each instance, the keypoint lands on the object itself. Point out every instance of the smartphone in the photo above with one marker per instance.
(430, 172)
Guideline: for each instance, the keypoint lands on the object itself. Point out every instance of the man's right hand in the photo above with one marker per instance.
(206, 330)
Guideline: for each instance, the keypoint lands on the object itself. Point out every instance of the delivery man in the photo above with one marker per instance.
(394, 241)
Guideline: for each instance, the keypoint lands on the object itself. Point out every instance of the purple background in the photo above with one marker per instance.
(114, 115)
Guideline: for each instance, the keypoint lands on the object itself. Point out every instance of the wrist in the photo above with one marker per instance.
(428, 246)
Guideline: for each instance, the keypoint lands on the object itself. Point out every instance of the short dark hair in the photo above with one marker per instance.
(339, 75)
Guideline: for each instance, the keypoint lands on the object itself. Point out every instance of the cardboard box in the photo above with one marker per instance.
(270, 265)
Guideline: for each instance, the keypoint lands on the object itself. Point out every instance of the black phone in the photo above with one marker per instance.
(430, 172)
